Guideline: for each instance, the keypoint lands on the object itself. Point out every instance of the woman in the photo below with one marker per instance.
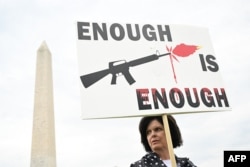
(154, 141)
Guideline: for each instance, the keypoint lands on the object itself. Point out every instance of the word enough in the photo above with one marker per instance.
(178, 98)
(118, 32)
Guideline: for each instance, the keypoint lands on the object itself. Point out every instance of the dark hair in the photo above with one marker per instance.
(174, 130)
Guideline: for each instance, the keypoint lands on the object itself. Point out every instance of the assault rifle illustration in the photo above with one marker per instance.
(116, 68)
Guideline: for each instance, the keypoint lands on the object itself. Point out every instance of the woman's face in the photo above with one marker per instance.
(156, 136)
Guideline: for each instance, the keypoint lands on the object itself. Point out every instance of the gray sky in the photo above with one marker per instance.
(115, 142)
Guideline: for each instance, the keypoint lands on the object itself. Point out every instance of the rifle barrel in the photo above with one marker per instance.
(163, 54)
(145, 59)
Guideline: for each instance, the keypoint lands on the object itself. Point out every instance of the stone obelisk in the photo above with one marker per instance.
(43, 149)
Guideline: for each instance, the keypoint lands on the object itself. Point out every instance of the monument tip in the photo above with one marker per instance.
(43, 46)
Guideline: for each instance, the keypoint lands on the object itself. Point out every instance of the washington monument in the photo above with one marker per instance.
(43, 149)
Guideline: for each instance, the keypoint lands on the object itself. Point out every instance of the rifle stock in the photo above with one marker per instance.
(89, 79)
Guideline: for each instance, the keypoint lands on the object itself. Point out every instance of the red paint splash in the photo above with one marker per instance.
(184, 50)
(181, 50)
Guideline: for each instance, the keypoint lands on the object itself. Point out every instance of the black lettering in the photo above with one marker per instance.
(119, 28)
(100, 30)
(213, 65)
(176, 97)
(196, 103)
(203, 64)
(162, 98)
(220, 97)
(142, 98)
(207, 98)
(166, 32)
(148, 34)
(82, 30)
(135, 37)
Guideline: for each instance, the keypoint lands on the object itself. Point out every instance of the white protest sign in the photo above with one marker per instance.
(129, 70)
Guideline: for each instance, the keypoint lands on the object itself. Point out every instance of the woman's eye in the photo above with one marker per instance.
(158, 129)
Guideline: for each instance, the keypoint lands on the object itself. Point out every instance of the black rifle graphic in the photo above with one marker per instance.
(115, 70)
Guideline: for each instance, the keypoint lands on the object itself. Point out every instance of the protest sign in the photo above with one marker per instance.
(128, 70)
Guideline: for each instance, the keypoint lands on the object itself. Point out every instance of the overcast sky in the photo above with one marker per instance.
(115, 142)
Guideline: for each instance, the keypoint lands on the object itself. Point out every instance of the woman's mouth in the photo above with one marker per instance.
(154, 141)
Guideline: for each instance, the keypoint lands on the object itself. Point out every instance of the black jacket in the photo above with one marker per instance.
(153, 160)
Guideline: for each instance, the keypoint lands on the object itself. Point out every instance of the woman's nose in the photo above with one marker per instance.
(153, 134)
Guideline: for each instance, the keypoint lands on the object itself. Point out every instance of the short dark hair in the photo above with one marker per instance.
(174, 130)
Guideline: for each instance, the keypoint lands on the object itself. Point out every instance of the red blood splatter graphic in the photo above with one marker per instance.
(181, 50)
